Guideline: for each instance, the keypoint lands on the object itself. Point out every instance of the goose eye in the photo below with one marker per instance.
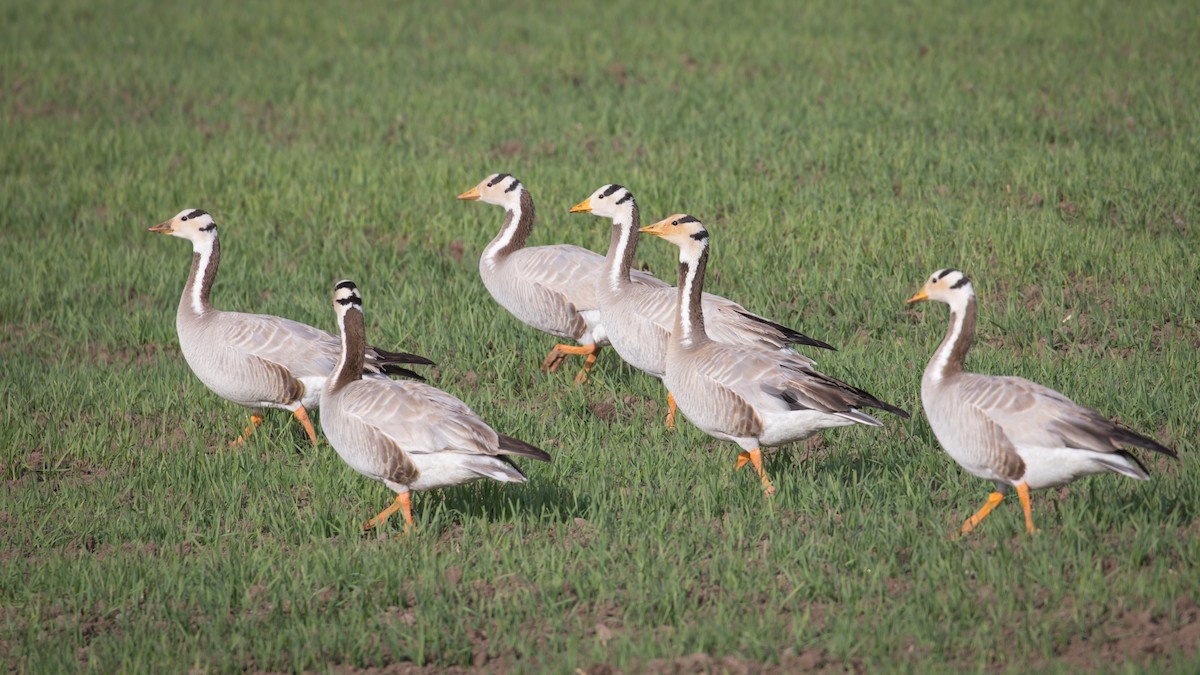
(184, 218)
(675, 223)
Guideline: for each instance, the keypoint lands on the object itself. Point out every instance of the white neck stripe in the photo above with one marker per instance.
(506, 235)
(205, 249)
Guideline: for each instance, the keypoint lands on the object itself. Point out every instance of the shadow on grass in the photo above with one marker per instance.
(495, 502)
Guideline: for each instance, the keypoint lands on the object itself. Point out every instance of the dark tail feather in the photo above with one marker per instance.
(1124, 436)
(386, 357)
(513, 464)
(868, 400)
(1136, 462)
(876, 403)
(402, 372)
(512, 446)
(792, 336)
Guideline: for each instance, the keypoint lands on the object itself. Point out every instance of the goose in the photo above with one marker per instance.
(752, 395)
(638, 319)
(546, 287)
(256, 360)
(408, 435)
(1009, 430)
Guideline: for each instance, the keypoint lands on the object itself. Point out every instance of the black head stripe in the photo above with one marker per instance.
(515, 184)
(940, 275)
(499, 177)
(211, 227)
(627, 197)
(687, 219)
(961, 282)
(352, 300)
(345, 284)
(700, 236)
(611, 189)
(195, 214)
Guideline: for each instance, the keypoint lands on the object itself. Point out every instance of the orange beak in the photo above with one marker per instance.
(657, 229)
(918, 297)
(584, 206)
(163, 227)
(470, 195)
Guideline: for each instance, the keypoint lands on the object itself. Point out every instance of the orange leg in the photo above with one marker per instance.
(671, 412)
(255, 420)
(992, 500)
(403, 503)
(560, 352)
(1023, 493)
(590, 361)
(754, 457)
(302, 415)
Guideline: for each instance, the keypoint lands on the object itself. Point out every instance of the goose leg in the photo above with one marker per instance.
(671, 416)
(403, 503)
(1023, 494)
(754, 457)
(255, 420)
(992, 500)
(590, 361)
(302, 415)
(554, 359)
(560, 352)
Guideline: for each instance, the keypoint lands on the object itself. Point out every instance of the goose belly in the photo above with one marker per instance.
(541, 310)
(443, 469)
(785, 427)
(638, 339)
(704, 405)
(234, 377)
(1051, 467)
(967, 442)
(350, 444)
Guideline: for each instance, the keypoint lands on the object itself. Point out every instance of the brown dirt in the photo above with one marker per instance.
(1134, 637)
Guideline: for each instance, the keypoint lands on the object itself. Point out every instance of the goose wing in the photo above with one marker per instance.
(301, 349)
(1032, 415)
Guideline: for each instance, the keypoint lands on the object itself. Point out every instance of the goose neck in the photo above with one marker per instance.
(951, 354)
(622, 247)
(354, 347)
(518, 223)
(689, 316)
(206, 257)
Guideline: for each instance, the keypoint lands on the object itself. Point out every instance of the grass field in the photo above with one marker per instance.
(839, 153)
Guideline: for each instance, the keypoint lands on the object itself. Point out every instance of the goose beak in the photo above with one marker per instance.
(918, 297)
(470, 195)
(163, 227)
(584, 206)
(657, 229)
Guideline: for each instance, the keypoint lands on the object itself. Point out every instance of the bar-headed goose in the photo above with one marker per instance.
(750, 395)
(547, 287)
(256, 360)
(638, 319)
(409, 435)
(1007, 429)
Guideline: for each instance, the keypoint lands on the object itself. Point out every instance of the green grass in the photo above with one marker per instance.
(838, 154)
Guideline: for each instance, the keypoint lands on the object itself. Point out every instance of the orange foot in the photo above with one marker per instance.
(992, 501)
(238, 442)
(754, 457)
(560, 352)
(403, 502)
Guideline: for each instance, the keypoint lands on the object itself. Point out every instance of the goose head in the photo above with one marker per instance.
(195, 225)
(346, 298)
(686, 232)
(501, 189)
(946, 285)
(610, 201)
